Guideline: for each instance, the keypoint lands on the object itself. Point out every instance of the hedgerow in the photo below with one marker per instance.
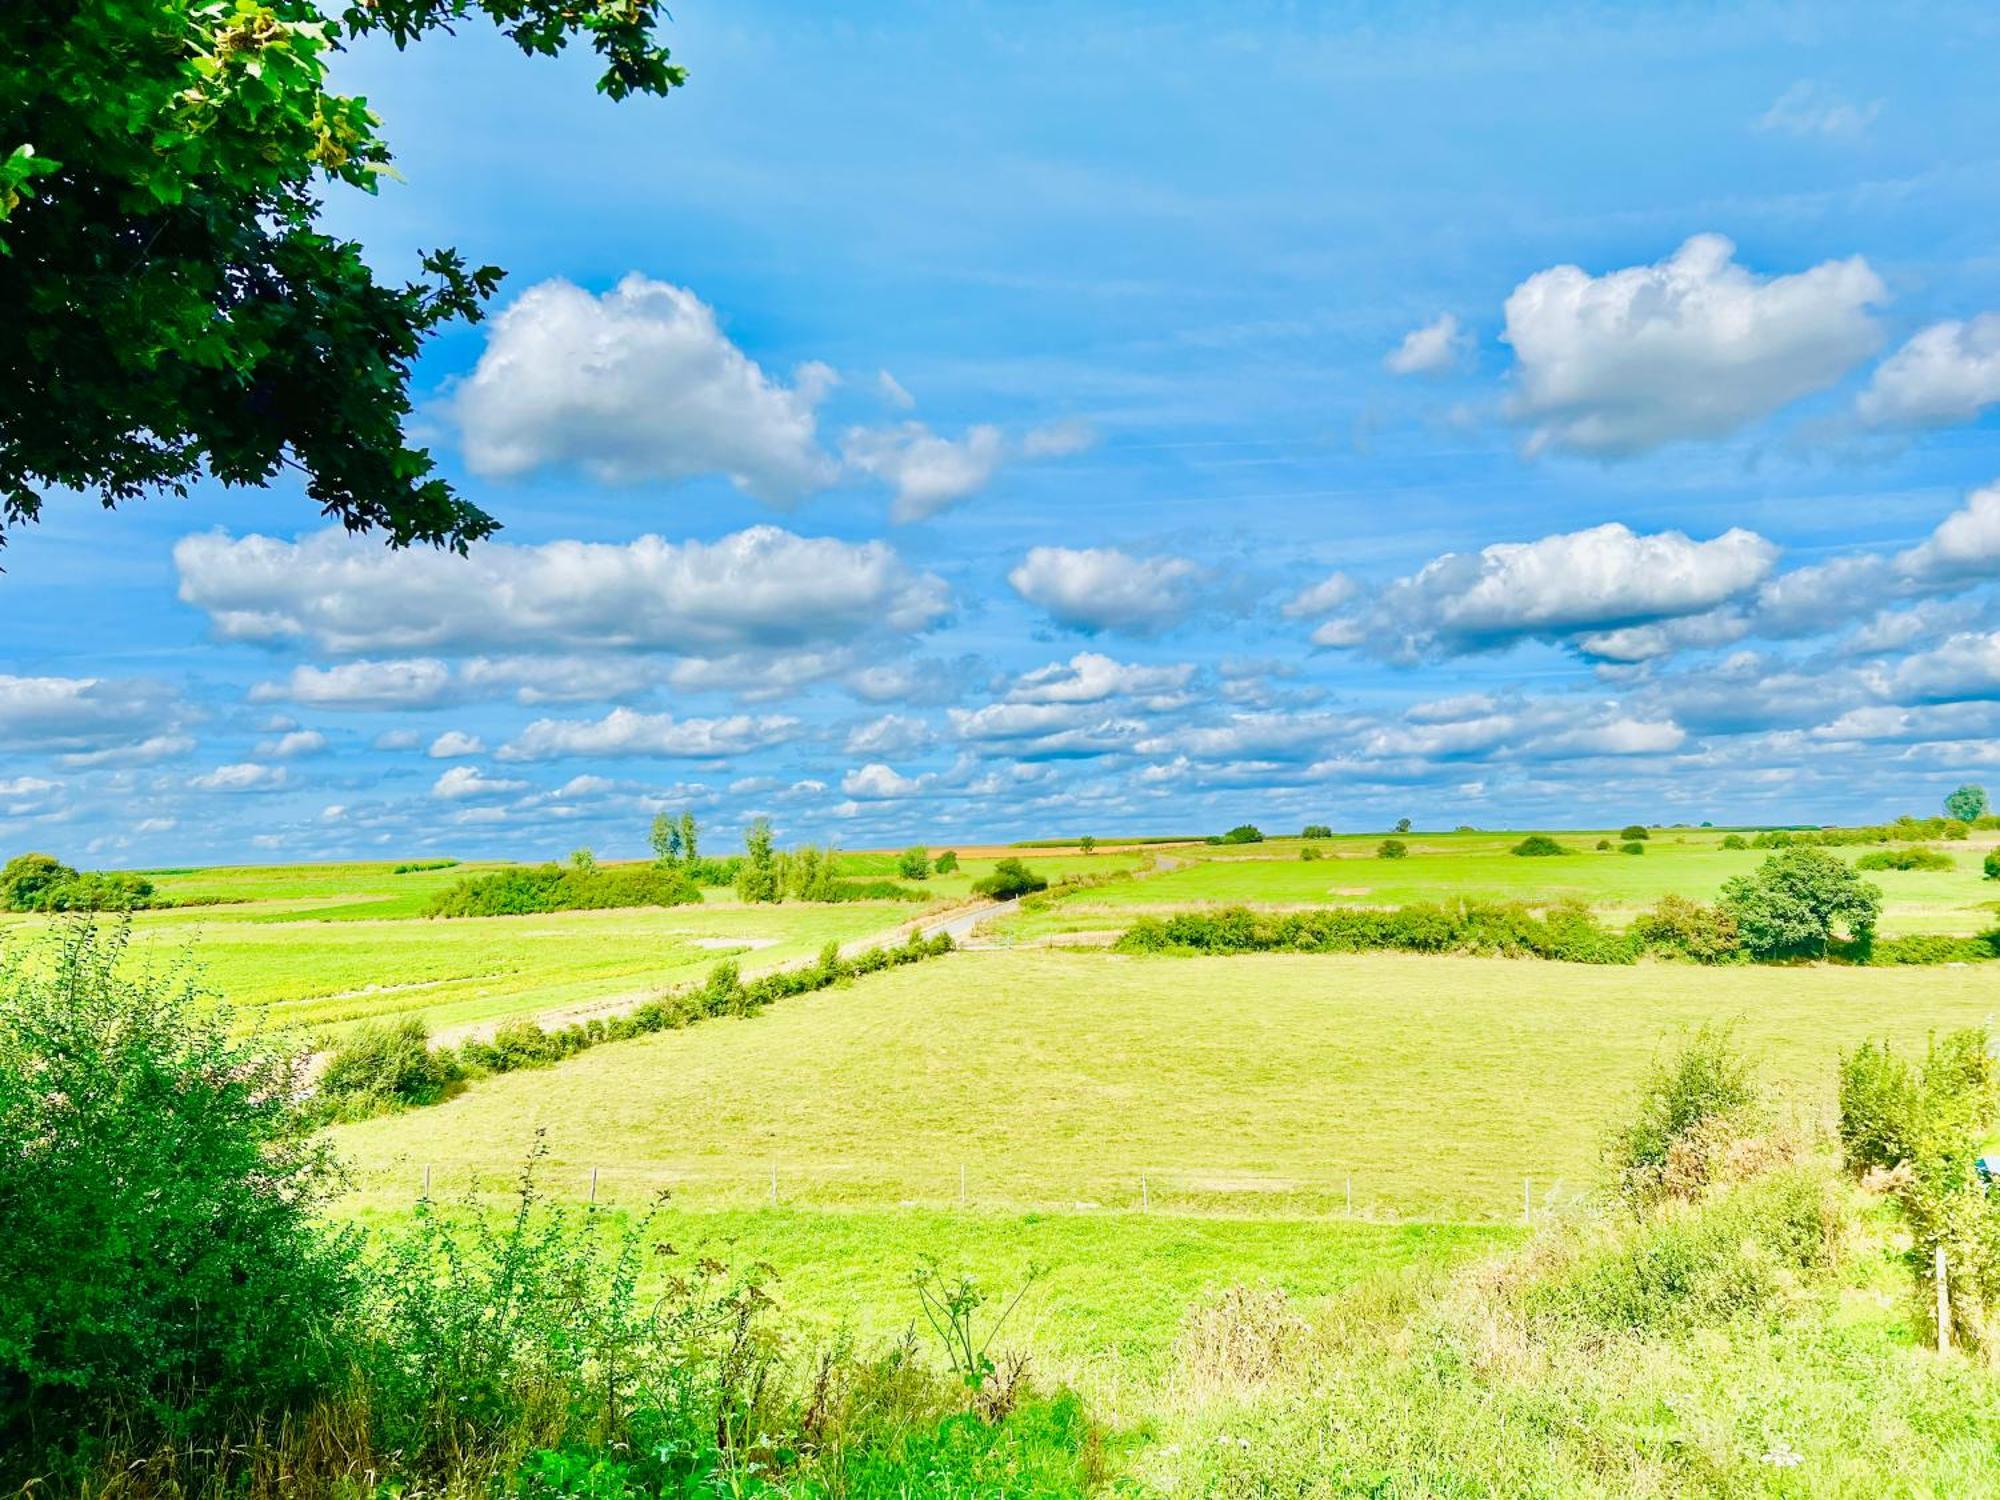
(1906, 859)
(1567, 931)
(526, 890)
(378, 1070)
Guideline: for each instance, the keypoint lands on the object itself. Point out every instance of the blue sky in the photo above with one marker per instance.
(955, 422)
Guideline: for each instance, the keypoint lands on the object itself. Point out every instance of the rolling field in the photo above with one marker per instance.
(1149, 1129)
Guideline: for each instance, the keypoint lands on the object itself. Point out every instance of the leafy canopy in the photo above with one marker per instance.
(1966, 803)
(173, 308)
(1798, 900)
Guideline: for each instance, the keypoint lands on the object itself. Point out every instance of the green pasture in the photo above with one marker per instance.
(1442, 867)
(1089, 1083)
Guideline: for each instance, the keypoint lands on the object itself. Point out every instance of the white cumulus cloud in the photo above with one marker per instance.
(1694, 346)
(624, 732)
(461, 782)
(243, 776)
(1103, 588)
(1437, 348)
(1947, 373)
(640, 383)
(454, 744)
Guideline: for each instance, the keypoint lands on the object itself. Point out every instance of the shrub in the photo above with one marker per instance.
(26, 877)
(414, 866)
(1317, 831)
(163, 1271)
(380, 1068)
(1242, 833)
(1906, 859)
(1690, 929)
(1992, 864)
(1932, 948)
(1310, 852)
(1392, 849)
(914, 864)
(1604, 846)
(867, 890)
(1734, 841)
(41, 882)
(524, 890)
(1010, 878)
(1633, 846)
(1537, 846)
(1796, 902)
(1633, 832)
(1704, 1085)
(946, 862)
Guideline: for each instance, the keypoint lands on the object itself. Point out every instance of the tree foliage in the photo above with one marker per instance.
(1010, 878)
(173, 307)
(1966, 803)
(1798, 901)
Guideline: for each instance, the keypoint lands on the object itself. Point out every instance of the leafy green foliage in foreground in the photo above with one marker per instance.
(173, 304)
(176, 1317)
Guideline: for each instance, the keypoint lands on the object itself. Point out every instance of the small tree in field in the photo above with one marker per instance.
(1088, 843)
(583, 861)
(1392, 849)
(1966, 804)
(914, 864)
(758, 879)
(1402, 825)
(1633, 832)
(946, 862)
(1316, 831)
(1538, 845)
(1798, 900)
(690, 835)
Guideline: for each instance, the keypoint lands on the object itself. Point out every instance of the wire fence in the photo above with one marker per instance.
(1489, 1197)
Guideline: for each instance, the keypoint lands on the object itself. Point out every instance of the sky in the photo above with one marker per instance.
(954, 422)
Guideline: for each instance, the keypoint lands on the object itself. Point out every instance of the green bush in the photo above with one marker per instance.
(1566, 932)
(1689, 929)
(1917, 858)
(1734, 841)
(1992, 864)
(1310, 852)
(1706, 1082)
(1242, 833)
(41, 882)
(1317, 831)
(1392, 849)
(1010, 878)
(1604, 846)
(946, 862)
(914, 864)
(380, 1068)
(1634, 846)
(1538, 846)
(1797, 901)
(526, 890)
(1634, 831)
(164, 1273)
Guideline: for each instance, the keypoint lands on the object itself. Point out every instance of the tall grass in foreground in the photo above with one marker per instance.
(1731, 1326)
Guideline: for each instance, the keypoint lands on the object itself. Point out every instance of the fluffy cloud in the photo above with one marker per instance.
(1329, 594)
(1948, 372)
(557, 679)
(85, 715)
(623, 732)
(414, 683)
(295, 743)
(763, 588)
(1437, 348)
(1591, 582)
(1966, 543)
(638, 384)
(876, 780)
(930, 473)
(244, 776)
(454, 744)
(1091, 677)
(1102, 588)
(460, 782)
(1694, 346)
(923, 680)
(144, 752)
(1964, 667)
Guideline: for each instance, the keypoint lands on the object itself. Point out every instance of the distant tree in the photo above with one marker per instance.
(1797, 901)
(1010, 878)
(946, 862)
(757, 880)
(1966, 804)
(914, 864)
(1088, 843)
(1392, 849)
(1402, 825)
(666, 839)
(1634, 832)
(175, 307)
(690, 838)
(1316, 831)
(1538, 845)
(27, 879)
(1242, 833)
(583, 860)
